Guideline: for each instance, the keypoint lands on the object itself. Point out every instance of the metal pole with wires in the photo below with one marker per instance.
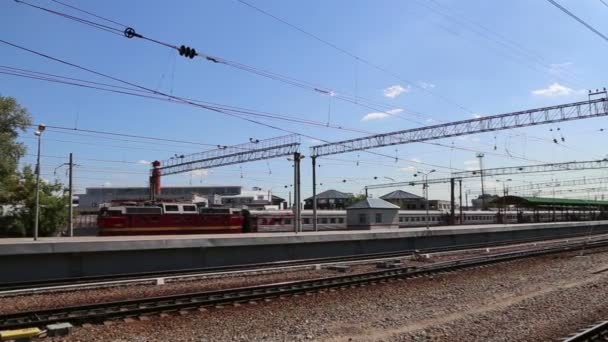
(38, 133)
(314, 193)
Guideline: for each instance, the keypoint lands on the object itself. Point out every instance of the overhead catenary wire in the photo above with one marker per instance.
(581, 21)
(357, 58)
(58, 79)
(131, 33)
(58, 60)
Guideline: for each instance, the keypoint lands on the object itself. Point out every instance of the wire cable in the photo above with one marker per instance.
(573, 16)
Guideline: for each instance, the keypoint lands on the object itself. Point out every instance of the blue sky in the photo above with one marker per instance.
(487, 57)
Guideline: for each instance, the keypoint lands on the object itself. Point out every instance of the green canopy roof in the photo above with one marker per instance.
(537, 201)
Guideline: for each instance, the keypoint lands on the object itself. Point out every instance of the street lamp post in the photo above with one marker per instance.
(426, 192)
(38, 133)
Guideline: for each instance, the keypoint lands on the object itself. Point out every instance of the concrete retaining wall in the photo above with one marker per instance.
(25, 260)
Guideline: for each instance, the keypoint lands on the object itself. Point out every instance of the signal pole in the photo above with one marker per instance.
(71, 201)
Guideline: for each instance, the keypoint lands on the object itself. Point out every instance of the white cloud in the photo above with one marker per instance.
(144, 162)
(426, 85)
(559, 68)
(408, 169)
(107, 184)
(477, 116)
(200, 173)
(471, 165)
(416, 160)
(556, 89)
(396, 90)
(381, 115)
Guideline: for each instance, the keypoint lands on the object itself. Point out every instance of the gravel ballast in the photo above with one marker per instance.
(532, 299)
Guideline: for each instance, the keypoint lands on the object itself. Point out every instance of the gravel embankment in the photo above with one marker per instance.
(86, 296)
(527, 300)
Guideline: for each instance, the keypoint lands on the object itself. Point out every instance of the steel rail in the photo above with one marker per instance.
(596, 332)
(201, 272)
(104, 311)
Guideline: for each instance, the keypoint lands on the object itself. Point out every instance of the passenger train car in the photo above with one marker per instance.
(187, 218)
(170, 218)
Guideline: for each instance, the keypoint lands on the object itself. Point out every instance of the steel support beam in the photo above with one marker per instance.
(229, 155)
(533, 117)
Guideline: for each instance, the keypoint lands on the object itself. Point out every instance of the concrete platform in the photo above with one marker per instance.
(25, 259)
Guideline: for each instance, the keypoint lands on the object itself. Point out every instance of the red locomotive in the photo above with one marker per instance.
(171, 218)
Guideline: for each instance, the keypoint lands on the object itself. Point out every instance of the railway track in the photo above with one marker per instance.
(100, 312)
(596, 332)
(15, 288)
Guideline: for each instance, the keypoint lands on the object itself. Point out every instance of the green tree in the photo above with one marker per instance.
(13, 119)
(355, 199)
(18, 188)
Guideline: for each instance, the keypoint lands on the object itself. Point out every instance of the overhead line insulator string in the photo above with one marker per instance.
(171, 96)
(189, 52)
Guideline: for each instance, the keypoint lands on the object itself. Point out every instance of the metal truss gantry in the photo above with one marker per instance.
(229, 155)
(544, 186)
(552, 167)
(533, 117)
(502, 171)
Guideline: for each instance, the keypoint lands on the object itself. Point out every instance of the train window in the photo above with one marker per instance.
(332, 220)
(417, 219)
(340, 220)
(287, 221)
(189, 208)
(400, 219)
(362, 218)
(423, 218)
(324, 220)
(306, 220)
(406, 219)
(171, 207)
(378, 218)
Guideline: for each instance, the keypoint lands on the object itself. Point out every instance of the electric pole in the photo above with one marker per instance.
(71, 201)
(483, 195)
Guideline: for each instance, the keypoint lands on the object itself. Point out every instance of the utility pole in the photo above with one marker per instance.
(425, 187)
(460, 198)
(38, 133)
(70, 165)
(314, 193)
(452, 203)
(297, 226)
(71, 202)
(483, 195)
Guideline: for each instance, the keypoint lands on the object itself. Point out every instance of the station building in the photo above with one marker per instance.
(409, 201)
(330, 200)
(372, 213)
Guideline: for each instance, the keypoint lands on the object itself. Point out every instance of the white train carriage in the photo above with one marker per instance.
(282, 220)
(418, 218)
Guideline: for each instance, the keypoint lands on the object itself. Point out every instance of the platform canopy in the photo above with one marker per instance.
(531, 202)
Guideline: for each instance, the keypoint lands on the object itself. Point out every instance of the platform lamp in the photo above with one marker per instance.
(38, 133)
